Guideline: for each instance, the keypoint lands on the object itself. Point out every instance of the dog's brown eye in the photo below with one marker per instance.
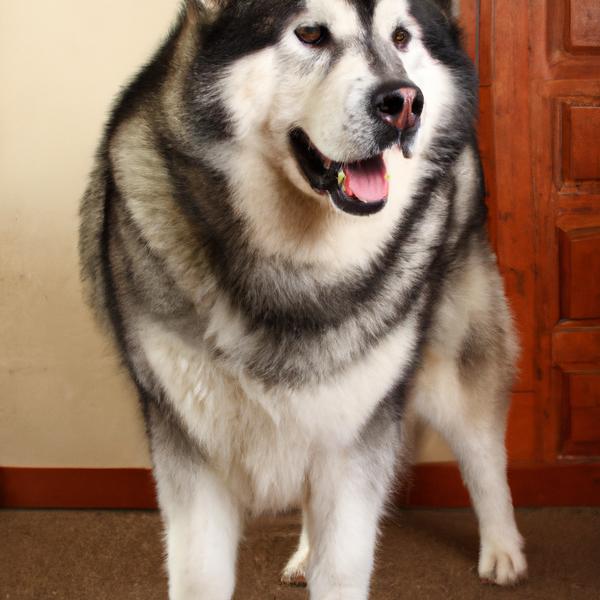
(313, 35)
(401, 37)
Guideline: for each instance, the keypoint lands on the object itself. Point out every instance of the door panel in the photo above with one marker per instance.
(580, 411)
(579, 251)
(584, 26)
(565, 138)
(581, 151)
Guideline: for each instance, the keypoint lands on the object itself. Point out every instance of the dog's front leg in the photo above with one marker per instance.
(474, 426)
(347, 493)
(201, 517)
(202, 529)
(481, 455)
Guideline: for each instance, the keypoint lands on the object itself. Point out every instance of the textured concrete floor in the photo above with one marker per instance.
(424, 554)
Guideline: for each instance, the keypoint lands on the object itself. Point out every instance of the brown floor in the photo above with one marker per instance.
(424, 554)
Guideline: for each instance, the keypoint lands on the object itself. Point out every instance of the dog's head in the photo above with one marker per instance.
(324, 89)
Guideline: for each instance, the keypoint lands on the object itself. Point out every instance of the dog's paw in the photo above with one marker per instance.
(295, 571)
(341, 593)
(502, 562)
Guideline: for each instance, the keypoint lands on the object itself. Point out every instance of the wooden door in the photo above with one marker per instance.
(539, 68)
(565, 133)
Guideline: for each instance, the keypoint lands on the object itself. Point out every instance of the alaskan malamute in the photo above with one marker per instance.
(285, 233)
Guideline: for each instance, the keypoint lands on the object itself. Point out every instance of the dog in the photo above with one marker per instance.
(285, 235)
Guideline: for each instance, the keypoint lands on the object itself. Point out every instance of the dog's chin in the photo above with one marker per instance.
(358, 188)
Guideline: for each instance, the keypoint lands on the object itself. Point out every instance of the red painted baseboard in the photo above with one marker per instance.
(440, 485)
(431, 485)
(76, 488)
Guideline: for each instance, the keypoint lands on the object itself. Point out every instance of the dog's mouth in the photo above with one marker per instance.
(358, 188)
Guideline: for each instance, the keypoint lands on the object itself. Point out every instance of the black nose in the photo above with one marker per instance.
(400, 107)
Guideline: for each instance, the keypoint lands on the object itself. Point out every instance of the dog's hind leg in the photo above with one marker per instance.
(202, 519)
(294, 572)
(471, 416)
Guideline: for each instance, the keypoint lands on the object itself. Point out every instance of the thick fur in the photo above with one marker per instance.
(280, 346)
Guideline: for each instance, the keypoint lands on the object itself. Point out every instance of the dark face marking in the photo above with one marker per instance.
(240, 29)
(445, 5)
(442, 38)
(365, 10)
(381, 56)
(245, 27)
(441, 34)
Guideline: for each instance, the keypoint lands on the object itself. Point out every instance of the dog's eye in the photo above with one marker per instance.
(313, 35)
(401, 37)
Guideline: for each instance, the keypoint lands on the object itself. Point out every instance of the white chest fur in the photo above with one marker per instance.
(260, 440)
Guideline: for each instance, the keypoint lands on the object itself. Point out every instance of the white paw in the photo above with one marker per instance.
(343, 593)
(502, 561)
(295, 571)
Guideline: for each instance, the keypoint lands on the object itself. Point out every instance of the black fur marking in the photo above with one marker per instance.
(111, 292)
(149, 392)
(442, 37)
(241, 28)
(365, 10)
(445, 5)
(246, 27)
(168, 434)
(149, 283)
(111, 299)
(382, 62)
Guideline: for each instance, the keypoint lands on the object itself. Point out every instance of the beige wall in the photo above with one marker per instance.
(63, 400)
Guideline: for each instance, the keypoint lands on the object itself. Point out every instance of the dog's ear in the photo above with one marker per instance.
(447, 6)
(211, 6)
(205, 9)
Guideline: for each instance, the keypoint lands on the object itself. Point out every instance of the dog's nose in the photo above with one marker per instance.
(401, 107)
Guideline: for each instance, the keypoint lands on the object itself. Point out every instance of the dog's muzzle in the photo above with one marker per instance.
(361, 187)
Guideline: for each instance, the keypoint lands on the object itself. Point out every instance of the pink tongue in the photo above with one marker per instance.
(367, 180)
